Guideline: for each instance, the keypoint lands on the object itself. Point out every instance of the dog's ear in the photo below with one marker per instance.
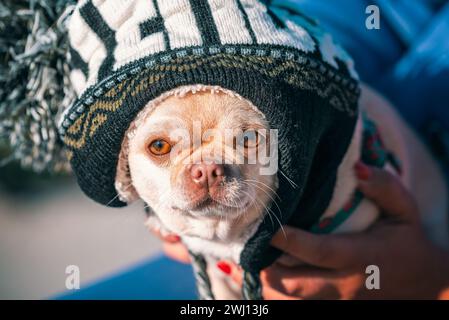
(123, 182)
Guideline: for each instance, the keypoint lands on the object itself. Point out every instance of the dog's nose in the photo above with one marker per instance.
(207, 175)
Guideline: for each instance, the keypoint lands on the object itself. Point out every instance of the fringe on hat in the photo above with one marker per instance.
(34, 81)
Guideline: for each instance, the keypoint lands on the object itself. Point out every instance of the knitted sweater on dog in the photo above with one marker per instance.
(127, 53)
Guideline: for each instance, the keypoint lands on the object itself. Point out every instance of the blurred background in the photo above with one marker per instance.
(47, 223)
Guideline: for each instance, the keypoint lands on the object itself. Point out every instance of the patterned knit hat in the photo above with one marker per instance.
(126, 53)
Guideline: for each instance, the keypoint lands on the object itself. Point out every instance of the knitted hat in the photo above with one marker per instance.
(126, 53)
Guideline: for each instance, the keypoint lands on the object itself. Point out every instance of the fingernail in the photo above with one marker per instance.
(173, 238)
(224, 267)
(362, 171)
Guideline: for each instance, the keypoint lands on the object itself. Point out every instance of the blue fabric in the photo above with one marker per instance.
(407, 59)
(156, 279)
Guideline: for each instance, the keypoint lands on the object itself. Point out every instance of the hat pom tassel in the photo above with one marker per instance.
(34, 81)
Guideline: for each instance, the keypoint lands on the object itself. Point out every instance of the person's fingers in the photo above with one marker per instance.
(171, 238)
(325, 251)
(269, 293)
(235, 273)
(232, 270)
(301, 282)
(287, 260)
(444, 295)
(311, 283)
(387, 192)
(176, 251)
(283, 279)
(337, 251)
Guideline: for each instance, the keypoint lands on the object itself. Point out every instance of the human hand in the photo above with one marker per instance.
(173, 247)
(333, 266)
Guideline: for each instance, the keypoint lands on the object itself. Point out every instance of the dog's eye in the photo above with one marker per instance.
(159, 147)
(251, 139)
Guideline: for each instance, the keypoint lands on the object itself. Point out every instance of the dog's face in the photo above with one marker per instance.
(194, 160)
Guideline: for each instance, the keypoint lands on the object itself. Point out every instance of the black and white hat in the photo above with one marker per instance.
(126, 53)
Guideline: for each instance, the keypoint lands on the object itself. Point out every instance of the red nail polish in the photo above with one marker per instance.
(173, 238)
(224, 267)
(362, 171)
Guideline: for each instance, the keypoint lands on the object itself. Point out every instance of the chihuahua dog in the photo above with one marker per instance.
(204, 193)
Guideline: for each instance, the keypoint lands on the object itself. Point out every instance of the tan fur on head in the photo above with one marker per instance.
(241, 201)
(123, 184)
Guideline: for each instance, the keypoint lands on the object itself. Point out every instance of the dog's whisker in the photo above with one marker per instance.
(271, 197)
(271, 212)
(265, 185)
(279, 221)
(294, 185)
(242, 212)
(118, 195)
(267, 208)
(255, 201)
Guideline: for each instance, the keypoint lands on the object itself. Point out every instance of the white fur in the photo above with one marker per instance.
(225, 238)
(221, 237)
